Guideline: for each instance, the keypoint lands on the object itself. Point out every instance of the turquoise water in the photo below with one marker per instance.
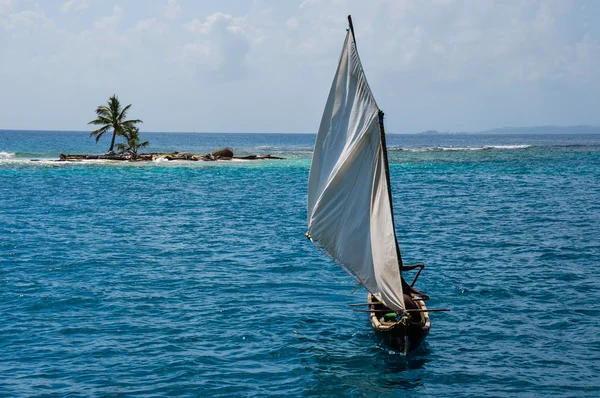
(195, 279)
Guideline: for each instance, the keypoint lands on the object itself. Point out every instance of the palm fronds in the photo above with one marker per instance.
(131, 134)
(111, 116)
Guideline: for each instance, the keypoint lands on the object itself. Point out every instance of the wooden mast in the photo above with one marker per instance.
(389, 184)
(351, 29)
(385, 161)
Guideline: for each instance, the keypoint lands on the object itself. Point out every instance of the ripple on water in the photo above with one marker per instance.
(197, 280)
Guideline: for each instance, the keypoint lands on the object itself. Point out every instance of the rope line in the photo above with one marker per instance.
(335, 260)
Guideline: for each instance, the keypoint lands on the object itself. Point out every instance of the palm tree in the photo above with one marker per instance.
(133, 141)
(111, 116)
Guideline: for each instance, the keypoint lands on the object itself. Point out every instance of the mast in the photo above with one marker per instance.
(351, 29)
(389, 185)
(346, 184)
(385, 158)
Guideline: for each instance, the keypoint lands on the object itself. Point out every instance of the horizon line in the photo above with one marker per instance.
(432, 131)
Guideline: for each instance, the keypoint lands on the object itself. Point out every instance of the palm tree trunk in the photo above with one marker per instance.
(112, 143)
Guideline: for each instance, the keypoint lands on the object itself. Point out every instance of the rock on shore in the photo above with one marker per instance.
(218, 154)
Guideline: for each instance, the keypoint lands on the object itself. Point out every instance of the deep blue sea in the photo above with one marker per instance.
(195, 278)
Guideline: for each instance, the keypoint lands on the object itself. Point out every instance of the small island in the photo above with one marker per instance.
(220, 154)
(113, 117)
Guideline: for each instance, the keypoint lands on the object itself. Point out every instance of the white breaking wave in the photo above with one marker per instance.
(507, 146)
(468, 148)
(458, 148)
(6, 155)
(483, 148)
(285, 149)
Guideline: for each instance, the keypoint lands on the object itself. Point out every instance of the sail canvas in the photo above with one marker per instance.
(349, 209)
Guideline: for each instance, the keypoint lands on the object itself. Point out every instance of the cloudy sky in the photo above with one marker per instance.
(267, 65)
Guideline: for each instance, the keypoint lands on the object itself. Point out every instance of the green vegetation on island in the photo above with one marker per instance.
(133, 142)
(111, 116)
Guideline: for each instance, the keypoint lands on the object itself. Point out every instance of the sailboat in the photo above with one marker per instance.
(350, 213)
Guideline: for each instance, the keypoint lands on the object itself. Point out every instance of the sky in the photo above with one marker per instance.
(266, 66)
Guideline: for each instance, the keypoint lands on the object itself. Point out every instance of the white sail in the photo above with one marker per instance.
(349, 209)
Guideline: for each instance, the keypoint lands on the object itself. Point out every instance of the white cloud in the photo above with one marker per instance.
(434, 60)
(215, 22)
(308, 3)
(292, 23)
(152, 26)
(508, 40)
(195, 25)
(172, 9)
(26, 23)
(110, 22)
(220, 45)
(5, 6)
(75, 5)
(586, 59)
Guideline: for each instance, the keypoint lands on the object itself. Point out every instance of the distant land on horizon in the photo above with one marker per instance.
(581, 129)
(550, 129)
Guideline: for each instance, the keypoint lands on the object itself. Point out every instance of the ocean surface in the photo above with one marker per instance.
(195, 278)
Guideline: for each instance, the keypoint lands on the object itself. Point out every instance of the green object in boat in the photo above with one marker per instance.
(390, 316)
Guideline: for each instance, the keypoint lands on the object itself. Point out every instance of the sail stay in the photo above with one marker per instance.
(349, 209)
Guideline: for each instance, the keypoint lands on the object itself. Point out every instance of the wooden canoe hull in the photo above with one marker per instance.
(396, 334)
